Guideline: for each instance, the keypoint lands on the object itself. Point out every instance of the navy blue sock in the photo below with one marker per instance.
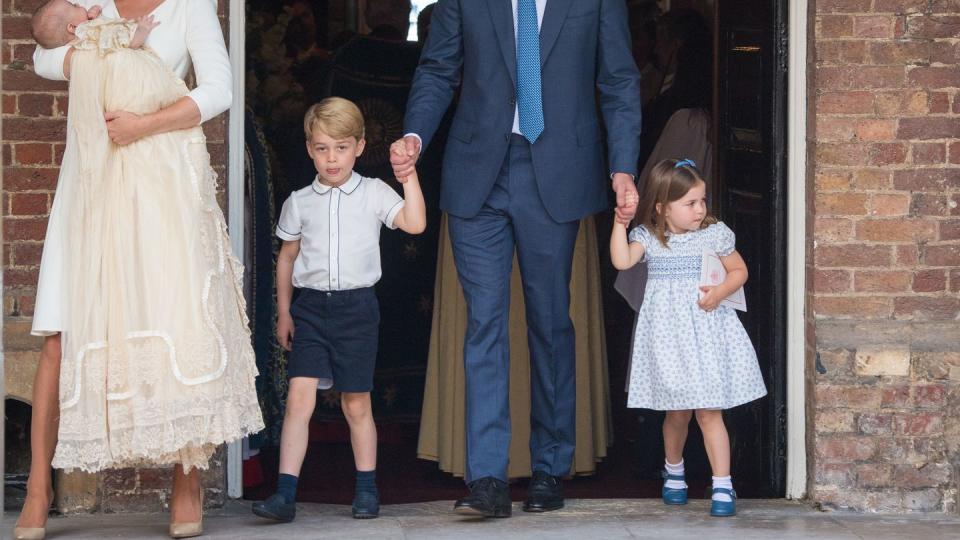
(367, 482)
(287, 487)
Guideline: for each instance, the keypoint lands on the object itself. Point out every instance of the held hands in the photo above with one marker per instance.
(627, 198)
(403, 157)
(399, 153)
(711, 298)
(285, 331)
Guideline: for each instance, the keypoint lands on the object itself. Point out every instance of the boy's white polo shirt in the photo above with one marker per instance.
(339, 232)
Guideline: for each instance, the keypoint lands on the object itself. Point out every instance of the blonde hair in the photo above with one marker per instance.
(669, 181)
(337, 117)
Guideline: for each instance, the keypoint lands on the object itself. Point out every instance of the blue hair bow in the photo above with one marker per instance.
(684, 162)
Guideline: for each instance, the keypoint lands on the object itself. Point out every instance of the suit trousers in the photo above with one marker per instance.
(514, 219)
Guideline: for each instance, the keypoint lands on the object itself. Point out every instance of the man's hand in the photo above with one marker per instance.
(627, 197)
(399, 152)
(285, 331)
(404, 154)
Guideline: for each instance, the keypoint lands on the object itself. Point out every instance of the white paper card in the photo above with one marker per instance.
(712, 273)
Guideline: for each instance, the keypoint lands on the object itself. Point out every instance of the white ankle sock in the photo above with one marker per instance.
(674, 470)
(722, 482)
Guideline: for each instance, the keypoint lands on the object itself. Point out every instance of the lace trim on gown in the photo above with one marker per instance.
(158, 367)
(104, 35)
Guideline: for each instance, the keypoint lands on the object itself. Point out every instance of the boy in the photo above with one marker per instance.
(331, 232)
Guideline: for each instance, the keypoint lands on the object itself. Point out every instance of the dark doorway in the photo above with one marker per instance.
(748, 104)
(752, 178)
(749, 181)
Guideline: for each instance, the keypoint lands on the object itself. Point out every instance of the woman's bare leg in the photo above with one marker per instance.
(185, 503)
(44, 423)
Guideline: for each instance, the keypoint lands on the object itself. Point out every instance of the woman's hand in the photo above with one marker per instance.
(711, 298)
(125, 127)
(285, 331)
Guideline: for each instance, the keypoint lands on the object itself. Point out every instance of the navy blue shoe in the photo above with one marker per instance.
(724, 508)
(366, 505)
(673, 495)
(276, 508)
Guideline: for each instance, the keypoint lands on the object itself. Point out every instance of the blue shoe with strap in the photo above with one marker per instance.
(673, 495)
(724, 508)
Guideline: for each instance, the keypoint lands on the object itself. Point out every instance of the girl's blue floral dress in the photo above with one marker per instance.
(684, 357)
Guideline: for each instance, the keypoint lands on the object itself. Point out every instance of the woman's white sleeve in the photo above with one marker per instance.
(214, 91)
(48, 63)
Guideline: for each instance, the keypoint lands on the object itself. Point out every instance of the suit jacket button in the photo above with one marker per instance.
(513, 101)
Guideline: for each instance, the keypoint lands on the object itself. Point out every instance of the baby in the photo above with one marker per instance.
(57, 22)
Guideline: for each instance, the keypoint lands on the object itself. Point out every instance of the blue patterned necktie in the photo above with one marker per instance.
(529, 98)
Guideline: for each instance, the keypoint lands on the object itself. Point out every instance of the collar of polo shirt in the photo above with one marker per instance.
(347, 187)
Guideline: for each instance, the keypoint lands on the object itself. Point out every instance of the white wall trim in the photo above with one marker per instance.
(796, 254)
(235, 191)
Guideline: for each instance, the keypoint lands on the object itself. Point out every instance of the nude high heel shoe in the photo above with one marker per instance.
(32, 533)
(29, 533)
(191, 528)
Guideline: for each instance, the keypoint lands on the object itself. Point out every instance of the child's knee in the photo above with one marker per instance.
(301, 399)
(709, 417)
(679, 417)
(356, 405)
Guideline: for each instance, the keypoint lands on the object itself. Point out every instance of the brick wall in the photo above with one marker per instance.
(33, 135)
(886, 255)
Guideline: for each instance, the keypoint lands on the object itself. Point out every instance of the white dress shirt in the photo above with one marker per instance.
(339, 232)
(189, 34)
(541, 5)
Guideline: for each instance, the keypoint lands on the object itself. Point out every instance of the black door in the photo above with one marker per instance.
(751, 122)
(748, 195)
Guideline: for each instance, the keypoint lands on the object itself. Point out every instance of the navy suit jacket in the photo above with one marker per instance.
(584, 53)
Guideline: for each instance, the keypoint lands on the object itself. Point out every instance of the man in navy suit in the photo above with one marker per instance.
(523, 163)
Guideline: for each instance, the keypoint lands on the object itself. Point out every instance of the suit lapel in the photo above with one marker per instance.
(553, 16)
(502, 15)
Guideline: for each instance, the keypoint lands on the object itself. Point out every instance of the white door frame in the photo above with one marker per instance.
(796, 242)
(796, 487)
(235, 191)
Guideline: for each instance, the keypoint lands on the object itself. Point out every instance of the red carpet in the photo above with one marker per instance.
(328, 473)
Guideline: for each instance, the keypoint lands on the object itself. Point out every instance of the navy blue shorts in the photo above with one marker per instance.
(335, 338)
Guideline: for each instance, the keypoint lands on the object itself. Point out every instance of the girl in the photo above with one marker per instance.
(690, 354)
